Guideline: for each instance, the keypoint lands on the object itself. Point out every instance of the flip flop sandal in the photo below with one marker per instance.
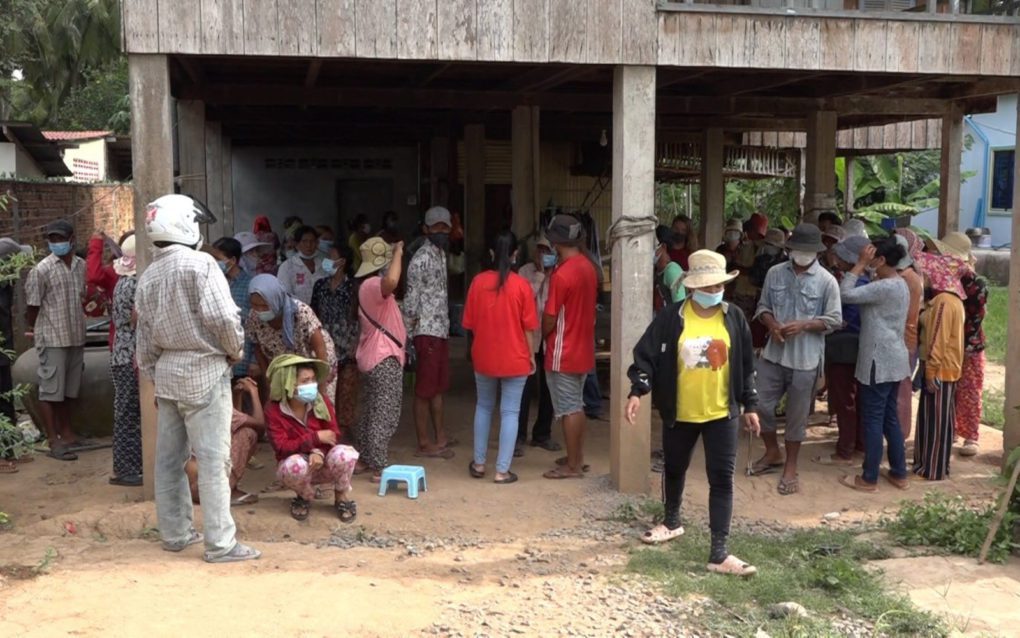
(299, 508)
(126, 481)
(547, 444)
(255, 465)
(788, 487)
(238, 554)
(510, 478)
(61, 454)
(193, 539)
(661, 534)
(275, 486)
(346, 511)
(561, 473)
(247, 499)
(562, 461)
(761, 468)
(658, 467)
(87, 445)
(828, 460)
(859, 484)
(898, 483)
(8, 467)
(474, 472)
(442, 453)
(732, 566)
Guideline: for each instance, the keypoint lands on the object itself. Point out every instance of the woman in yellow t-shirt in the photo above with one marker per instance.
(697, 361)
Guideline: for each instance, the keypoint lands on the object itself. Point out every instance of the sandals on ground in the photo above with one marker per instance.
(510, 478)
(833, 460)
(562, 462)
(61, 453)
(661, 534)
(546, 444)
(346, 511)
(562, 472)
(474, 471)
(732, 566)
(299, 508)
(898, 483)
(787, 486)
(762, 467)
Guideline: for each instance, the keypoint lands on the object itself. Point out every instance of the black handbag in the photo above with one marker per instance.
(410, 358)
(841, 348)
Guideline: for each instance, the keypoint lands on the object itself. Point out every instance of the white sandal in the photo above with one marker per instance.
(661, 534)
(733, 566)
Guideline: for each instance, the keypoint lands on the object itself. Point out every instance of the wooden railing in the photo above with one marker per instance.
(921, 9)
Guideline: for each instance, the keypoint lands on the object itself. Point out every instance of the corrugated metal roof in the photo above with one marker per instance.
(60, 136)
(45, 152)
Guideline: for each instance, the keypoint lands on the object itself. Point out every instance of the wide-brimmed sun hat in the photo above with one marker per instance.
(806, 238)
(849, 250)
(835, 232)
(775, 237)
(853, 227)
(375, 253)
(707, 268)
(955, 244)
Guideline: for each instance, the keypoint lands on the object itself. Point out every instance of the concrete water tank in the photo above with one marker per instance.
(92, 412)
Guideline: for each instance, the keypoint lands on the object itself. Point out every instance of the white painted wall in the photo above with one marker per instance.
(309, 190)
(8, 164)
(1000, 129)
(24, 166)
(93, 151)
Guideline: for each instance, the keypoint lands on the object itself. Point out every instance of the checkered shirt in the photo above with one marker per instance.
(58, 290)
(189, 329)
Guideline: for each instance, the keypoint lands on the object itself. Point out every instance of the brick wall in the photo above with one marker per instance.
(90, 207)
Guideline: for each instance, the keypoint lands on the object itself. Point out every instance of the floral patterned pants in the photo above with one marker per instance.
(380, 412)
(337, 470)
(968, 396)
(346, 394)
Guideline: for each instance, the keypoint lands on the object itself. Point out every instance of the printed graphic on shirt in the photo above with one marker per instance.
(704, 352)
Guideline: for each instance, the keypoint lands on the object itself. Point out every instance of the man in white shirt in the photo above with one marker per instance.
(299, 273)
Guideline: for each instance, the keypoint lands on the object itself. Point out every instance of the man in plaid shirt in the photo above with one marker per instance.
(189, 334)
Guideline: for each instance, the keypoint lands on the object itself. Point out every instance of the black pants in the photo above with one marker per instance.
(542, 431)
(720, 441)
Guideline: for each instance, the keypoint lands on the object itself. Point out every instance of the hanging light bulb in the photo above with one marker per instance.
(603, 140)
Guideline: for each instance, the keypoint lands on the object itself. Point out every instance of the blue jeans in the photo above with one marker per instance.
(202, 427)
(879, 420)
(509, 409)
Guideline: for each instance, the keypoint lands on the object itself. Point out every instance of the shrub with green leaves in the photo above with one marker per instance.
(949, 523)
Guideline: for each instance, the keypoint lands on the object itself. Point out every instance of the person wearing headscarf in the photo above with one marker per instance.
(127, 417)
(306, 436)
(102, 276)
(910, 272)
(942, 343)
(280, 324)
(270, 245)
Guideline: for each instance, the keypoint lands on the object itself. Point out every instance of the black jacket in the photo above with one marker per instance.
(655, 361)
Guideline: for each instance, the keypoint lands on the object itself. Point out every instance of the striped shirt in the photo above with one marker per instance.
(58, 290)
(189, 329)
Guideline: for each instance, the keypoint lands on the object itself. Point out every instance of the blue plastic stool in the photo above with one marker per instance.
(410, 474)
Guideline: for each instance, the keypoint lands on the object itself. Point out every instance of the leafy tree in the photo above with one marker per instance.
(95, 105)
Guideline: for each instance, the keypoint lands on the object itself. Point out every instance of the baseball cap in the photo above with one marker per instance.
(248, 240)
(60, 227)
(437, 215)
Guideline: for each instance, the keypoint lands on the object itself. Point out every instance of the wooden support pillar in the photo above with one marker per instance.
(949, 173)
(524, 170)
(214, 177)
(713, 189)
(474, 197)
(439, 178)
(801, 180)
(820, 162)
(227, 177)
(633, 196)
(152, 167)
(191, 148)
(848, 188)
(1011, 431)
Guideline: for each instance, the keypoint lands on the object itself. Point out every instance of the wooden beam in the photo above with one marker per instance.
(191, 148)
(949, 172)
(634, 196)
(713, 189)
(765, 83)
(268, 94)
(544, 77)
(436, 72)
(820, 162)
(523, 172)
(474, 197)
(982, 88)
(1011, 431)
(312, 76)
(214, 177)
(152, 167)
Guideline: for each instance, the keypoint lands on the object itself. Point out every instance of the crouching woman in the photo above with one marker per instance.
(306, 437)
(697, 361)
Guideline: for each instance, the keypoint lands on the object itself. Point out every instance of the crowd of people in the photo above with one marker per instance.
(303, 341)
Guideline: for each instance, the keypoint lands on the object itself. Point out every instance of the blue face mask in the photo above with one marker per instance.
(224, 266)
(325, 245)
(265, 316)
(707, 300)
(307, 392)
(329, 266)
(290, 252)
(549, 261)
(60, 248)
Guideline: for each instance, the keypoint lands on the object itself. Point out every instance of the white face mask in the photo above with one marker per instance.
(803, 259)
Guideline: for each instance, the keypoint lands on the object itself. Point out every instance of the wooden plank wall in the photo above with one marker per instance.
(566, 31)
(901, 136)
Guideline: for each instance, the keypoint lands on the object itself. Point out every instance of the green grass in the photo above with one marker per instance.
(996, 319)
(820, 569)
(993, 402)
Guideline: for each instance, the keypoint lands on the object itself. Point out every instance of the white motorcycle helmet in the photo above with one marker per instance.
(175, 219)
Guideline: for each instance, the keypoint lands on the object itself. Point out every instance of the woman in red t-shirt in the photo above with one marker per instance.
(500, 312)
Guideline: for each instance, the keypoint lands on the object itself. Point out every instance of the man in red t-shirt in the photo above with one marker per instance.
(568, 324)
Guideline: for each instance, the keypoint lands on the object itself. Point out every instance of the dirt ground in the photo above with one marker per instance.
(467, 558)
